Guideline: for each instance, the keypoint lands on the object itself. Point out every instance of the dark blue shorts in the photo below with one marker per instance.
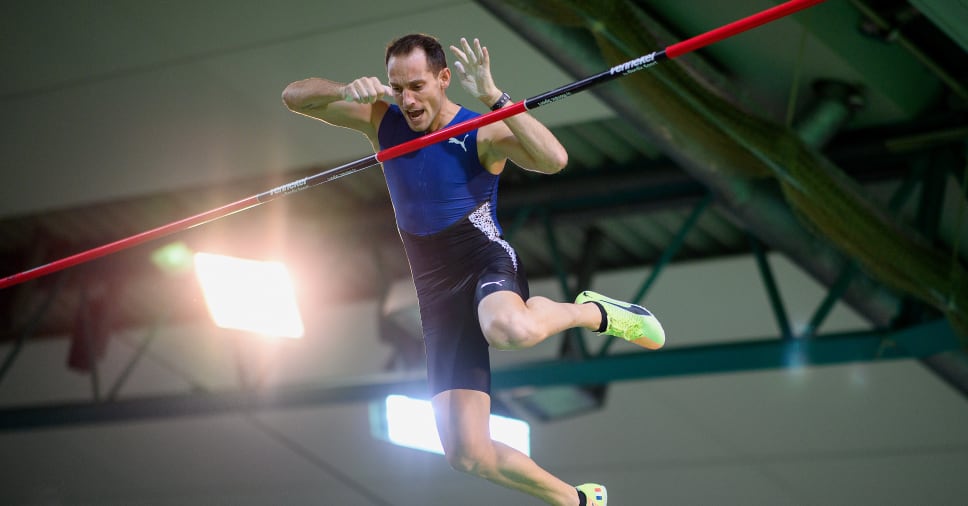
(453, 270)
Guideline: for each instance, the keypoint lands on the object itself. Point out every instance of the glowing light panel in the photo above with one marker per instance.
(250, 295)
(410, 423)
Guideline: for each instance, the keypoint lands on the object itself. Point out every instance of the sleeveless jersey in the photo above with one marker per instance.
(436, 186)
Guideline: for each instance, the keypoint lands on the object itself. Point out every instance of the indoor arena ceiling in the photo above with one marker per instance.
(128, 116)
(829, 145)
(125, 118)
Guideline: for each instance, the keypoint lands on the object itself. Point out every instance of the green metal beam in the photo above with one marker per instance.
(573, 346)
(677, 242)
(914, 342)
(31, 326)
(919, 341)
(670, 252)
(556, 257)
(573, 337)
(772, 291)
(827, 304)
(139, 354)
(840, 286)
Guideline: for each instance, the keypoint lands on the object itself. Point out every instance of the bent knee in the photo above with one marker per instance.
(471, 462)
(462, 462)
(511, 332)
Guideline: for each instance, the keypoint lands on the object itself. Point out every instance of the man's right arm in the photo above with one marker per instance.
(355, 105)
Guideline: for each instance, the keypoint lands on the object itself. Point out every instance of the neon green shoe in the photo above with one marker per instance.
(631, 322)
(595, 494)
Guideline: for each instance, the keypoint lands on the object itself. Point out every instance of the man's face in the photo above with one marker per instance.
(417, 90)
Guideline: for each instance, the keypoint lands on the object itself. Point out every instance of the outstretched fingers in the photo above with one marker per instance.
(480, 52)
(472, 53)
(468, 55)
(473, 64)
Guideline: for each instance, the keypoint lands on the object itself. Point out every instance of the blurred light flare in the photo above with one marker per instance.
(252, 295)
(174, 258)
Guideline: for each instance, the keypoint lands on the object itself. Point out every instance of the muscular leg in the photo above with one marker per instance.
(463, 423)
(510, 323)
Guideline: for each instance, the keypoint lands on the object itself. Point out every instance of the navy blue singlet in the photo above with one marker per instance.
(445, 203)
(434, 187)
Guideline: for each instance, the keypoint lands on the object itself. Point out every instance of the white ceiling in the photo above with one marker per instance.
(119, 99)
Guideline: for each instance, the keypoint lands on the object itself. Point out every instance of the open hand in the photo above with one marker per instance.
(473, 66)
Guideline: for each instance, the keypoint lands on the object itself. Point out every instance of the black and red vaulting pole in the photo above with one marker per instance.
(640, 63)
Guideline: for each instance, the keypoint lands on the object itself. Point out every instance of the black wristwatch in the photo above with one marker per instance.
(501, 102)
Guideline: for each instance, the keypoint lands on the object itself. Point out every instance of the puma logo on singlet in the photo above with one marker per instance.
(453, 140)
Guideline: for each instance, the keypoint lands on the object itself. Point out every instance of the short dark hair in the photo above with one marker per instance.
(436, 59)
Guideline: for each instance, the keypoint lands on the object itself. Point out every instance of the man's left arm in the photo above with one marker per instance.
(521, 138)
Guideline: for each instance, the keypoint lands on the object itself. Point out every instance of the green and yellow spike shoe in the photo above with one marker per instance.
(595, 494)
(631, 322)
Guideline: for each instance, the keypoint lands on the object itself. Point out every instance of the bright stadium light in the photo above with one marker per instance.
(249, 295)
(410, 423)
